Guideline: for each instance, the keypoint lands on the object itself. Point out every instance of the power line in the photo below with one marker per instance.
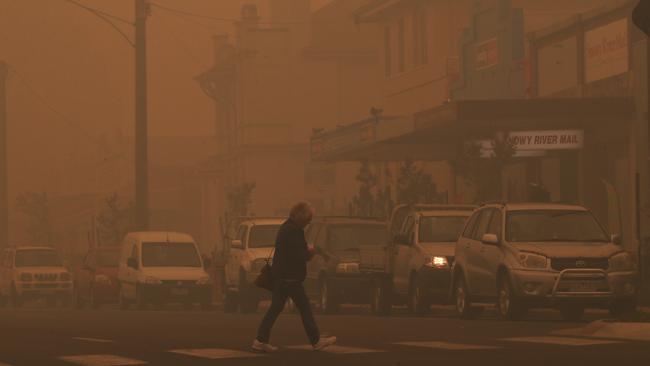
(106, 18)
(98, 11)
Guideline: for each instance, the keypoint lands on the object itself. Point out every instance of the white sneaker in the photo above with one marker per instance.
(324, 342)
(263, 347)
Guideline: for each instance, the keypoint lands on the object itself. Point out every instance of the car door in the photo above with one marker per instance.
(490, 256)
(402, 257)
(474, 258)
(472, 249)
(316, 236)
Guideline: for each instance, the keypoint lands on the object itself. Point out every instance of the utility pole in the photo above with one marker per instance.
(141, 138)
(4, 201)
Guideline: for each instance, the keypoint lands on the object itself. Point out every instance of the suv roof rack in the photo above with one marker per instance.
(495, 202)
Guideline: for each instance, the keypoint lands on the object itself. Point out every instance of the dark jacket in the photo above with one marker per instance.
(291, 253)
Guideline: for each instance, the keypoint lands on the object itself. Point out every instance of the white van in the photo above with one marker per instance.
(162, 267)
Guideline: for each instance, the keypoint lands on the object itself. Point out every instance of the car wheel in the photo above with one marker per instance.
(328, 303)
(140, 300)
(248, 300)
(464, 307)
(15, 299)
(572, 313)
(417, 302)
(508, 306)
(381, 299)
(623, 309)
(230, 301)
(93, 300)
(121, 299)
(77, 300)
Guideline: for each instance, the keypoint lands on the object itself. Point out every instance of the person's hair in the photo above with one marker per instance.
(301, 212)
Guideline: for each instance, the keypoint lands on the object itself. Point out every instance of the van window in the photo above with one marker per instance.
(263, 236)
(170, 254)
(495, 224)
(37, 258)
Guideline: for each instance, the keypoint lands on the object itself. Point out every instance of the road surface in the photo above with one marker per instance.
(108, 337)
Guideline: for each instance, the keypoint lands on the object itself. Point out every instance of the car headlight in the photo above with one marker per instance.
(203, 280)
(149, 280)
(103, 279)
(621, 262)
(436, 262)
(258, 264)
(347, 268)
(26, 277)
(533, 261)
(65, 276)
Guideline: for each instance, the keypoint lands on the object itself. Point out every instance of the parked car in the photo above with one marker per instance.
(414, 269)
(400, 212)
(333, 275)
(540, 255)
(96, 282)
(162, 267)
(246, 255)
(32, 273)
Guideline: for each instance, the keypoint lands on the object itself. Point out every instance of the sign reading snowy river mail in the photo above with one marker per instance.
(537, 143)
(548, 140)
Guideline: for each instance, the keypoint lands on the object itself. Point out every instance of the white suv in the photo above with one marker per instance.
(245, 257)
(534, 255)
(30, 273)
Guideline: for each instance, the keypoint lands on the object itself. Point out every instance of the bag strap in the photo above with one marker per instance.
(270, 255)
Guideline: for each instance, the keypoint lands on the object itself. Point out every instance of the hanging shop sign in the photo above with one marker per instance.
(606, 51)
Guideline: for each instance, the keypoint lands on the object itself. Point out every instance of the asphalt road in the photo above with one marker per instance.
(109, 337)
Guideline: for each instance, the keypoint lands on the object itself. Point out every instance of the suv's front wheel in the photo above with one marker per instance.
(508, 305)
(463, 303)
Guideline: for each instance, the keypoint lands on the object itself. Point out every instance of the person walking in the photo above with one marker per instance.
(289, 269)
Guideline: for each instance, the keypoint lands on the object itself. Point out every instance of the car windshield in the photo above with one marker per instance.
(263, 236)
(440, 229)
(346, 237)
(37, 258)
(170, 255)
(553, 226)
(107, 258)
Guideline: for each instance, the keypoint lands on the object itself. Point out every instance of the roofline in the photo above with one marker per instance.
(364, 13)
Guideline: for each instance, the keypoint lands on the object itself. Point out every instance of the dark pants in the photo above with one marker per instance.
(281, 292)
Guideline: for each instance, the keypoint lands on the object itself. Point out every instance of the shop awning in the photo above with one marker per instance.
(434, 134)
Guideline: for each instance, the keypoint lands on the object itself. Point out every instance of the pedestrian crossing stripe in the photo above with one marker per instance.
(95, 340)
(215, 353)
(563, 341)
(446, 345)
(339, 350)
(101, 360)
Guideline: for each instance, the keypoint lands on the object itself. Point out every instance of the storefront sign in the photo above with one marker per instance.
(548, 140)
(487, 54)
(537, 143)
(606, 51)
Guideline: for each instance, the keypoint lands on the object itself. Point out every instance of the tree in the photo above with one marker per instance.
(239, 199)
(36, 207)
(115, 220)
(370, 201)
(415, 186)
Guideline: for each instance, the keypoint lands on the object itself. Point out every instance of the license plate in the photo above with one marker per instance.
(180, 291)
(583, 286)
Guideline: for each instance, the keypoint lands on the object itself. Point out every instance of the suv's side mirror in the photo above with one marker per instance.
(132, 263)
(617, 239)
(490, 239)
(236, 243)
